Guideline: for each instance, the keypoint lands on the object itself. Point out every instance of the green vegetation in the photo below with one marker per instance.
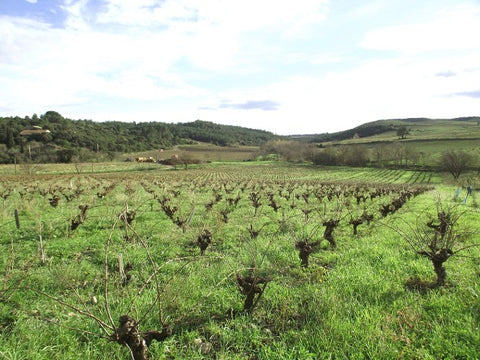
(286, 257)
(402, 143)
(402, 132)
(422, 128)
(456, 162)
(85, 140)
(235, 261)
(409, 143)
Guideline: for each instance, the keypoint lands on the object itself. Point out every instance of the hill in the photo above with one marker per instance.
(419, 128)
(399, 142)
(68, 138)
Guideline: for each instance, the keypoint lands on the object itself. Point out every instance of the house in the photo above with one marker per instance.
(34, 130)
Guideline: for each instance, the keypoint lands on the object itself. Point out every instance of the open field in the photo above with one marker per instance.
(428, 138)
(210, 258)
(78, 168)
(429, 151)
(281, 170)
(203, 152)
(428, 129)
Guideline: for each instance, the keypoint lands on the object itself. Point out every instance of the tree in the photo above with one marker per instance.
(52, 117)
(397, 149)
(355, 155)
(9, 140)
(289, 150)
(185, 158)
(410, 154)
(326, 156)
(5, 155)
(379, 152)
(455, 162)
(402, 132)
(65, 155)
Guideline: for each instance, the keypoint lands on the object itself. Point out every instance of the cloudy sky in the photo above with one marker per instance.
(290, 67)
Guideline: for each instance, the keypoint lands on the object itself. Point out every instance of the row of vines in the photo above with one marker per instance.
(132, 258)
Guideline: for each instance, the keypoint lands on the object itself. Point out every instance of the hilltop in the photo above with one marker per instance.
(419, 129)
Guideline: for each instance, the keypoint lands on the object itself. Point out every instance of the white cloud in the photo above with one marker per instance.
(326, 58)
(209, 32)
(139, 61)
(44, 67)
(180, 60)
(31, 1)
(247, 15)
(381, 89)
(452, 29)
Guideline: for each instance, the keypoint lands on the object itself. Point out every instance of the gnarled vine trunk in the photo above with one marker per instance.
(438, 259)
(129, 335)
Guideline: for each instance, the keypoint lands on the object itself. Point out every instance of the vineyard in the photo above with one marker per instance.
(235, 262)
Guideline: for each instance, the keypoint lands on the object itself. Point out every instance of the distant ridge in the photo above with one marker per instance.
(379, 127)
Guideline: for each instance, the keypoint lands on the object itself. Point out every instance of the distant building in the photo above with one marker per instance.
(34, 130)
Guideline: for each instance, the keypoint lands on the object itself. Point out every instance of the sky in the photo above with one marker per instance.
(289, 67)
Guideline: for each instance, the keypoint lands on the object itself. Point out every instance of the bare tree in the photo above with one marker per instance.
(355, 155)
(397, 150)
(410, 154)
(290, 150)
(326, 156)
(380, 152)
(455, 162)
(185, 158)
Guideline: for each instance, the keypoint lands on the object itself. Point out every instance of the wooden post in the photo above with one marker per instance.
(121, 268)
(125, 223)
(190, 218)
(17, 220)
(42, 252)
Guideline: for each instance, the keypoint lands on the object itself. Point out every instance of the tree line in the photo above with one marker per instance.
(83, 140)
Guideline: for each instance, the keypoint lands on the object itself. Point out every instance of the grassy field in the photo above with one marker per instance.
(429, 129)
(213, 255)
(281, 171)
(429, 138)
(202, 152)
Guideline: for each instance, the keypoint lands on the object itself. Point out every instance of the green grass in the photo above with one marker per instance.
(351, 302)
(427, 137)
(430, 129)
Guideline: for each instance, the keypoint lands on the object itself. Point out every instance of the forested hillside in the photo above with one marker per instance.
(69, 138)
